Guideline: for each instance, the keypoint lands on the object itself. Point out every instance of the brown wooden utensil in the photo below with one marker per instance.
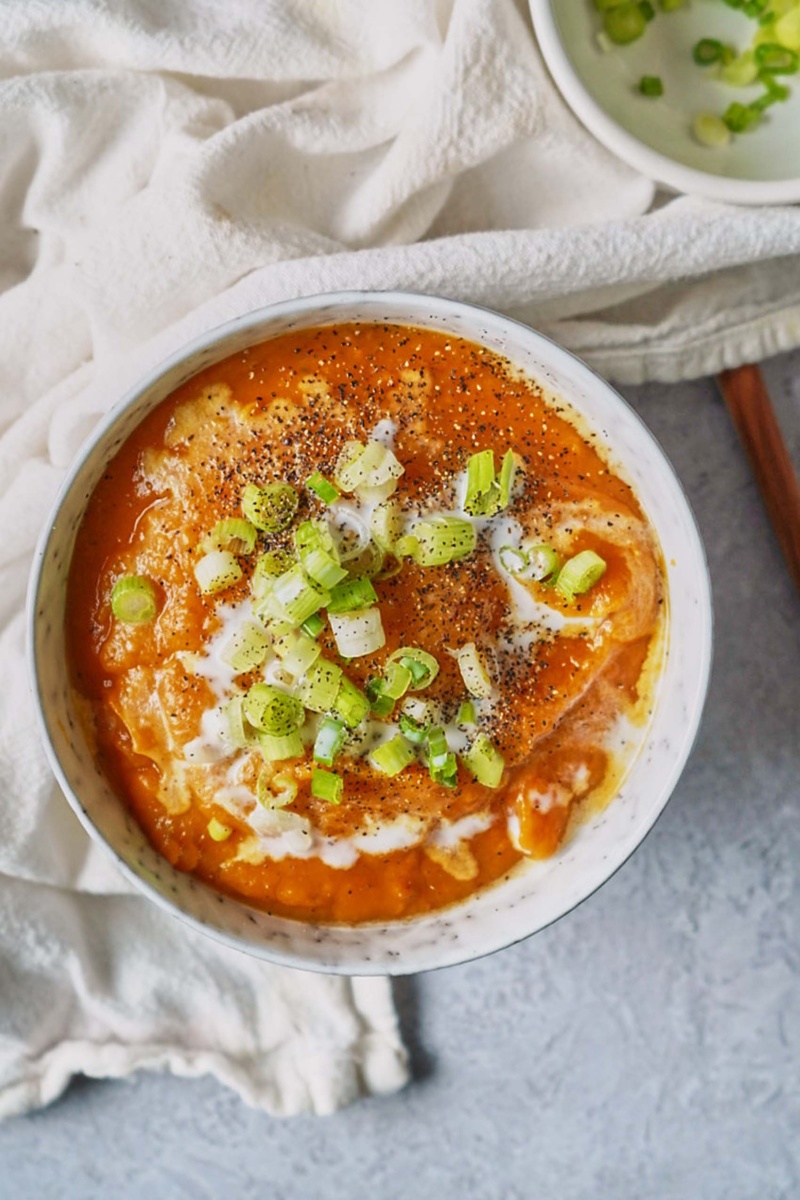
(747, 398)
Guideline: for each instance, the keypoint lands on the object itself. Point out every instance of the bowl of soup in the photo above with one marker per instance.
(370, 633)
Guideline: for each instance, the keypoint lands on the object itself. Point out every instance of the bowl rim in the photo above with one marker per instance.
(274, 953)
(637, 154)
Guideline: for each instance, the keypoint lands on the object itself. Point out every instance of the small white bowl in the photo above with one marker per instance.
(655, 135)
(532, 897)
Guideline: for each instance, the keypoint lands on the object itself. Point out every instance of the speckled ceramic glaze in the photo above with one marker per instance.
(538, 893)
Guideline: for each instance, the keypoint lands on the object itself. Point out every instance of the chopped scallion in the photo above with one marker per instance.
(327, 785)
(393, 756)
(484, 761)
(423, 666)
(651, 85)
(133, 600)
(322, 487)
(350, 595)
(473, 671)
(351, 704)
(217, 831)
(234, 534)
(270, 508)
(276, 747)
(329, 741)
(319, 688)
(438, 540)
(270, 710)
(216, 571)
(313, 625)
(580, 573)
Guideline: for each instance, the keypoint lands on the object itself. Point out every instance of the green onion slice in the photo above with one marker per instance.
(580, 573)
(133, 600)
(234, 534)
(329, 741)
(327, 785)
(651, 85)
(625, 23)
(543, 562)
(351, 703)
(707, 51)
(380, 704)
(423, 666)
(302, 652)
(248, 647)
(236, 734)
(357, 633)
(314, 625)
(386, 525)
(275, 791)
(393, 756)
(294, 598)
(466, 713)
(350, 595)
(508, 470)
(216, 571)
(268, 567)
(776, 59)
(276, 747)
(710, 130)
(473, 671)
(322, 487)
(270, 710)
(412, 730)
(437, 541)
(484, 761)
(319, 688)
(483, 491)
(318, 555)
(270, 508)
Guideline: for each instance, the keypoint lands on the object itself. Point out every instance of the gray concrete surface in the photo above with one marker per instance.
(646, 1046)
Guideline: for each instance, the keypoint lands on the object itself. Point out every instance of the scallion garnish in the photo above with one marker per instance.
(423, 666)
(484, 761)
(350, 595)
(473, 671)
(322, 487)
(294, 598)
(580, 573)
(351, 704)
(357, 633)
(776, 59)
(707, 51)
(320, 686)
(234, 534)
(270, 710)
(247, 648)
(393, 756)
(318, 555)
(275, 791)
(483, 492)
(313, 625)
(216, 571)
(301, 653)
(270, 508)
(651, 85)
(442, 765)
(329, 741)
(466, 713)
(327, 785)
(134, 600)
(276, 747)
(437, 541)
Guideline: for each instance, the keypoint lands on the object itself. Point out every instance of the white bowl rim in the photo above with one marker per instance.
(275, 954)
(637, 154)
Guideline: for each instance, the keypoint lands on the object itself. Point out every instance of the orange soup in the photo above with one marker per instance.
(360, 620)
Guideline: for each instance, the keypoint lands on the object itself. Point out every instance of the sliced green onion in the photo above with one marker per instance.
(670, 5)
(741, 71)
(625, 23)
(412, 730)
(321, 684)
(357, 633)
(473, 671)
(318, 555)
(393, 756)
(368, 562)
(234, 534)
(216, 571)
(437, 541)
(371, 466)
(483, 492)
(740, 117)
(247, 647)
(313, 625)
(466, 713)
(398, 680)
(651, 85)
(542, 562)
(270, 710)
(133, 600)
(327, 785)
(270, 508)
(777, 60)
(217, 831)
(351, 595)
(351, 704)
(513, 560)
(301, 653)
(426, 712)
(508, 470)
(787, 29)
(580, 573)
(446, 773)
(268, 567)
(437, 746)
(294, 598)
(275, 791)
(710, 130)
(233, 716)
(484, 761)
(423, 666)
(329, 741)
(276, 747)
(385, 525)
(380, 704)
(322, 487)
(707, 51)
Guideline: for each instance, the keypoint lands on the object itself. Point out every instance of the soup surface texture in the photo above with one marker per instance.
(339, 661)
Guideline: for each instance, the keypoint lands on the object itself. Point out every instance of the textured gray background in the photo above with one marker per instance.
(645, 1046)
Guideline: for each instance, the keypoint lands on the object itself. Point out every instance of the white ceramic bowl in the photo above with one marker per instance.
(533, 896)
(655, 136)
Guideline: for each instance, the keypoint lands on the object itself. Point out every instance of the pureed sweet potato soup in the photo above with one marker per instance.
(358, 620)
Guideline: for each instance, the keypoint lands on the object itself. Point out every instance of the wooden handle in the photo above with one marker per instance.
(749, 404)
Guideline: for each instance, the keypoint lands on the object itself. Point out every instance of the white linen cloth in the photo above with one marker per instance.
(165, 166)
